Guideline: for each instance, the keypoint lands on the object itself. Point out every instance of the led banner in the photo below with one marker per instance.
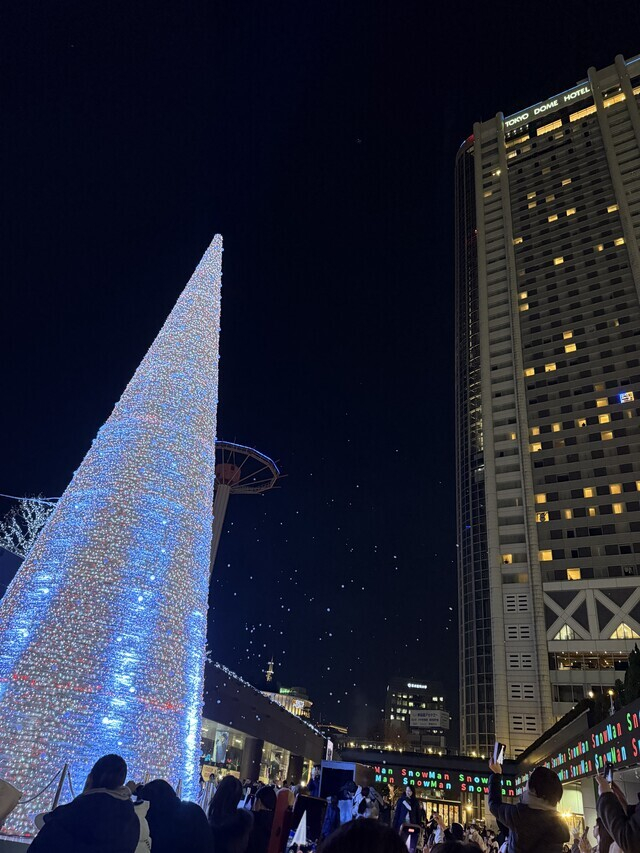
(452, 783)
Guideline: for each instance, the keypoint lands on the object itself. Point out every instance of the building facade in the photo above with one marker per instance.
(547, 420)
(294, 699)
(415, 715)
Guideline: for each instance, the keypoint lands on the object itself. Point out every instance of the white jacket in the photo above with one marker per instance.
(144, 842)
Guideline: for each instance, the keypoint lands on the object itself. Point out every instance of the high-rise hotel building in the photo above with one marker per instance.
(548, 405)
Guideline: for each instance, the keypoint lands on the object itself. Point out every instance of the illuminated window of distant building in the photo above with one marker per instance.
(624, 632)
(568, 513)
(570, 347)
(532, 204)
(604, 419)
(513, 436)
(619, 241)
(535, 430)
(587, 111)
(592, 511)
(552, 218)
(588, 491)
(568, 334)
(546, 170)
(581, 422)
(541, 498)
(550, 367)
(488, 193)
(602, 401)
(574, 574)
(524, 307)
(507, 559)
(566, 181)
(531, 195)
(599, 247)
(615, 488)
(618, 509)
(612, 208)
(567, 633)
(607, 435)
(535, 447)
(542, 516)
(558, 261)
(626, 397)
(517, 241)
(615, 99)
(547, 128)
(529, 371)
(545, 556)
(571, 211)
(523, 294)
(556, 427)
(638, 485)
(550, 198)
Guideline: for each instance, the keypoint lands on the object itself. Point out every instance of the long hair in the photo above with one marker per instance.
(225, 800)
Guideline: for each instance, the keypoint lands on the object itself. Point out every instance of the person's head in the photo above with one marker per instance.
(544, 783)
(225, 800)
(315, 772)
(457, 831)
(351, 787)
(365, 792)
(265, 799)
(363, 836)
(110, 772)
(459, 847)
(409, 791)
(160, 795)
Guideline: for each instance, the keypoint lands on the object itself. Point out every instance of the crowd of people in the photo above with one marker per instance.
(113, 817)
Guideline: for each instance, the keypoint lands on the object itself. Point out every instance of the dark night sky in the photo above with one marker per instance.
(319, 139)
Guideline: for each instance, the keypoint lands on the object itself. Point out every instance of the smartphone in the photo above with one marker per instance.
(498, 752)
(608, 772)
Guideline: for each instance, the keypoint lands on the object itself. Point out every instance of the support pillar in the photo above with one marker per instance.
(251, 758)
(294, 770)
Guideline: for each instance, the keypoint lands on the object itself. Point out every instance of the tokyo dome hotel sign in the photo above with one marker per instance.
(582, 90)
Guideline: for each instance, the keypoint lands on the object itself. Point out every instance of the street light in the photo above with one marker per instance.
(612, 708)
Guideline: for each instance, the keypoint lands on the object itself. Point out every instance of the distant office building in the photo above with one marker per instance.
(415, 715)
(548, 390)
(294, 699)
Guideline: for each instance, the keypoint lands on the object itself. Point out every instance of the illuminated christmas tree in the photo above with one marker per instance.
(103, 629)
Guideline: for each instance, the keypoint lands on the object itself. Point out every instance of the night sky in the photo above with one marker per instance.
(319, 138)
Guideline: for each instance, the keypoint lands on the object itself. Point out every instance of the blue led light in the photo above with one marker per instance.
(101, 660)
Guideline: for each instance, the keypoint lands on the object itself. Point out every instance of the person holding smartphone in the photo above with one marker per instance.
(619, 819)
(534, 824)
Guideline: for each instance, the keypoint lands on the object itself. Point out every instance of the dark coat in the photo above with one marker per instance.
(313, 788)
(232, 834)
(623, 826)
(261, 831)
(530, 830)
(401, 811)
(181, 829)
(92, 823)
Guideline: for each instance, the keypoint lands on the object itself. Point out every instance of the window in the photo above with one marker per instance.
(550, 198)
(574, 574)
(535, 430)
(507, 559)
(568, 513)
(535, 447)
(587, 111)
(529, 371)
(541, 498)
(570, 347)
(581, 422)
(523, 294)
(619, 241)
(626, 397)
(547, 128)
(488, 193)
(599, 247)
(607, 435)
(550, 367)
(571, 211)
(566, 181)
(542, 516)
(513, 436)
(531, 195)
(552, 218)
(545, 556)
(565, 633)
(568, 334)
(602, 401)
(617, 508)
(589, 492)
(604, 419)
(524, 307)
(612, 208)
(558, 261)
(592, 511)
(517, 241)
(624, 632)
(556, 427)
(615, 488)
(615, 99)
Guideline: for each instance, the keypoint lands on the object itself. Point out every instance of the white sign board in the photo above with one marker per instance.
(429, 719)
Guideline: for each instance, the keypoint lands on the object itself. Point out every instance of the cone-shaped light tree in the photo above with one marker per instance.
(103, 629)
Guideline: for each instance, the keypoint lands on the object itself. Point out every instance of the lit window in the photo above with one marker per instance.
(624, 632)
(550, 367)
(615, 488)
(535, 447)
(638, 485)
(602, 401)
(566, 181)
(542, 516)
(615, 99)
(570, 348)
(567, 633)
(573, 574)
(571, 211)
(588, 491)
(604, 419)
(535, 430)
(545, 556)
(507, 558)
(568, 334)
(523, 294)
(546, 170)
(599, 386)
(497, 173)
(517, 241)
(524, 307)
(556, 427)
(587, 111)
(599, 247)
(541, 498)
(593, 511)
(513, 436)
(612, 208)
(547, 128)
(488, 193)
(581, 422)
(558, 261)
(568, 513)
(550, 198)
(619, 241)
(607, 435)
(529, 371)
(617, 508)
(531, 195)
(552, 218)
(626, 397)
(532, 204)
